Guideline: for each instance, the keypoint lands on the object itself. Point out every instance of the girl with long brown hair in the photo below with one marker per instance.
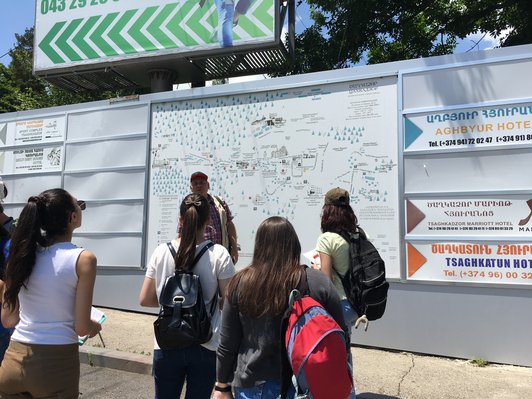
(197, 363)
(47, 297)
(249, 354)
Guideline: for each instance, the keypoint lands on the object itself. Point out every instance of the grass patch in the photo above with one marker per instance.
(479, 362)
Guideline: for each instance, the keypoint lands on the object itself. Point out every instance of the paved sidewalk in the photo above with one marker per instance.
(379, 374)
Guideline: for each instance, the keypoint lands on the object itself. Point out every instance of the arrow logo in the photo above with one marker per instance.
(414, 216)
(3, 134)
(176, 25)
(412, 132)
(415, 260)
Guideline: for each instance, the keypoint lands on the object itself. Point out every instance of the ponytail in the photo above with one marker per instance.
(194, 212)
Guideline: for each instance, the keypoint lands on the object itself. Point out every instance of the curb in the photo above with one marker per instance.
(101, 357)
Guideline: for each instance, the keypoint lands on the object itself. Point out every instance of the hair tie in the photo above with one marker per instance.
(35, 199)
(190, 201)
(38, 201)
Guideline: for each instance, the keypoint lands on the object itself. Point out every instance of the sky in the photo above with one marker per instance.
(20, 14)
(14, 18)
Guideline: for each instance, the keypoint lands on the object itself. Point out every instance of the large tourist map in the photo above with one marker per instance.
(277, 153)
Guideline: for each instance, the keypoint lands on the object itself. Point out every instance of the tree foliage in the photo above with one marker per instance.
(21, 90)
(347, 32)
(343, 33)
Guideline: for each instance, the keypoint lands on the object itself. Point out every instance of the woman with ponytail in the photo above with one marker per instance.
(195, 364)
(47, 297)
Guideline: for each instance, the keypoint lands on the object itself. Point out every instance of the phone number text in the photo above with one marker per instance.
(62, 5)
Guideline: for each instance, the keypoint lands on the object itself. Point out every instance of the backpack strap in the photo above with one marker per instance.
(207, 245)
(354, 250)
(286, 369)
(222, 214)
(302, 287)
(214, 300)
(172, 249)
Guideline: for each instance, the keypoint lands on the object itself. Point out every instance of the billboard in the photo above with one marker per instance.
(71, 33)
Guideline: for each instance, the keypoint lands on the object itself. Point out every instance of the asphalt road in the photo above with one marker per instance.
(106, 383)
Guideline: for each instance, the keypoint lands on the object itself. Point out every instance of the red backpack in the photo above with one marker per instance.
(316, 349)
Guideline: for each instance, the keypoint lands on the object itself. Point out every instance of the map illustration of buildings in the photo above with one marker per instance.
(277, 153)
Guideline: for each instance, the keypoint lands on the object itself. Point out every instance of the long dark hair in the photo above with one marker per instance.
(45, 217)
(263, 287)
(194, 212)
(339, 219)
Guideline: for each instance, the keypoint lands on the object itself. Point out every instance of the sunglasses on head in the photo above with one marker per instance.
(82, 205)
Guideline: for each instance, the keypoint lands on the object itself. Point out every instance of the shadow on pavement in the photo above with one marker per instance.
(370, 395)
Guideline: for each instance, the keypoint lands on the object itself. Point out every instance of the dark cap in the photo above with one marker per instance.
(198, 175)
(337, 196)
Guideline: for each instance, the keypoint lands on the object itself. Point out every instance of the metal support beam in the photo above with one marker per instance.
(161, 80)
(292, 30)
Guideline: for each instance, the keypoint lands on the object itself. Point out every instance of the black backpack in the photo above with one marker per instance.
(183, 319)
(365, 282)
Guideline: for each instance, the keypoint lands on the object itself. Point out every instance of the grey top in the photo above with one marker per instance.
(249, 352)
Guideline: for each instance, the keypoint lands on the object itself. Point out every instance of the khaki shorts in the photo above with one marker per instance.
(40, 371)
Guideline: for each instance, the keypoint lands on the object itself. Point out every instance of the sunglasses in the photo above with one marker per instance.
(82, 205)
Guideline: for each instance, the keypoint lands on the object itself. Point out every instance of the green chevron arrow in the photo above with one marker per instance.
(97, 38)
(174, 25)
(194, 23)
(250, 28)
(262, 14)
(135, 30)
(46, 47)
(62, 40)
(114, 33)
(155, 30)
(79, 38)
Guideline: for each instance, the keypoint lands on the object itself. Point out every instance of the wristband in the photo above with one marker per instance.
(222, 389)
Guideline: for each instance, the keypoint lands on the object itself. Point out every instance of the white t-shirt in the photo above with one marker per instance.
(214, 265)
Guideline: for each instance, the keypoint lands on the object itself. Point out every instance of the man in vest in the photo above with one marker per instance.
(222, 229)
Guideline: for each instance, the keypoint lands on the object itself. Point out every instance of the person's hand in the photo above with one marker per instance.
(95, 328)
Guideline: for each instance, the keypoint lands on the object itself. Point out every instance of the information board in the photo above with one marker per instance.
(277, 153)
(32, 131)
